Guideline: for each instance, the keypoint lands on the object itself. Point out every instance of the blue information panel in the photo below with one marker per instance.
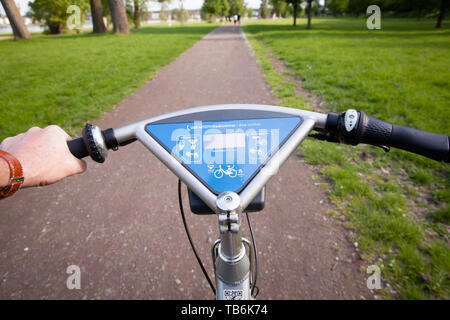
(224, 155)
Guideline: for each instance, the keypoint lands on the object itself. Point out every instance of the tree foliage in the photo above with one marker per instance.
(337, 7)
(236, 6)
(54, 13)
(264, 9)
(136, 10)
(180, 15)
(212, 9)
(407, 7)
(417, 8)
(224, 8)
(164, 13)
(281, 8)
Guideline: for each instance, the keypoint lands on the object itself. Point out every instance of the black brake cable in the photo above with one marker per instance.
(180, 201)
(256, 258)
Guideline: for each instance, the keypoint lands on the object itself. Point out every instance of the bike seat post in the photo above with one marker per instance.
(232, 264)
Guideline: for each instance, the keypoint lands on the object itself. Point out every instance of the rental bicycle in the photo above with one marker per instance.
(225, 155)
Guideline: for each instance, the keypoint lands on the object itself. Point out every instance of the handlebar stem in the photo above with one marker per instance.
(232, 266)
(229, 217)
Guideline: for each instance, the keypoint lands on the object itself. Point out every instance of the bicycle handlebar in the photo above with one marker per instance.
(78, 148)
(354, 127)
(94, 143)
(350, 127)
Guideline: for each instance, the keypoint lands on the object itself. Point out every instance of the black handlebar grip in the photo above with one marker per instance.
(78, 148)
(377, 132)
(431, 145)
(373, 131)
(381, 133)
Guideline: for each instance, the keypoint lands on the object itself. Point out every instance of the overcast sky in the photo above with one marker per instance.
(188, 4)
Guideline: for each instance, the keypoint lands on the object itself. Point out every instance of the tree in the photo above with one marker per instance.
(15, 20)
(181, 15)
(280, 8)
(264, 9)
(54, 13)
(137, 14)
(250, 12)
(337, 7)
(209, 10)
(224, 8)
(97, 16)
(219, 8)
(164, 14)
(309, 6)
(444, 5)
(295, 5)
(358, 7)
(119, 16)
(135, 10)
(236, 6)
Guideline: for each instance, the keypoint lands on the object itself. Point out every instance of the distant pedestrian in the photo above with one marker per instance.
(235, 18)
(239, 18)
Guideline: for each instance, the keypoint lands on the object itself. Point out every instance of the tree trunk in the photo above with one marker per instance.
(136, 15)
(15, 20)
(309, 14)
(295, 12)
(97, 16)
(55, 28)
(119, 16)
(441, 13)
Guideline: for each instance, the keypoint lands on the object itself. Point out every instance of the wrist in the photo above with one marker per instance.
(5, 173)
(15, 177)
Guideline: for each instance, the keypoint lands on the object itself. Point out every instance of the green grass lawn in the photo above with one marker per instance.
(69, 79)
(397, 203)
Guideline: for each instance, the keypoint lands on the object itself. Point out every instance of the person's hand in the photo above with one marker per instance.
(44, 155)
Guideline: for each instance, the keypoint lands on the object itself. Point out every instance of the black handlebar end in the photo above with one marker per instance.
(94, 143)
(431, 145)
(78, 148)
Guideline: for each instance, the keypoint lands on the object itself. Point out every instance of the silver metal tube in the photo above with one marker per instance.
(231, 247)
(239, 291)
(229, 217)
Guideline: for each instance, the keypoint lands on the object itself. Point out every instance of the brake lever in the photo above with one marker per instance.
(329, 138)
(324, 137)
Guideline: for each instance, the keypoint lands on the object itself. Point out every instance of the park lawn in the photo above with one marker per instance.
(69, 79)
(396, 203)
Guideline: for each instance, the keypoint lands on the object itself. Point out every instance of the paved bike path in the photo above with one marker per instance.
(120, 223)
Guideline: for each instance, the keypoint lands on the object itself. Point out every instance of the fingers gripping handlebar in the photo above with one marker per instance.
(353, 127)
